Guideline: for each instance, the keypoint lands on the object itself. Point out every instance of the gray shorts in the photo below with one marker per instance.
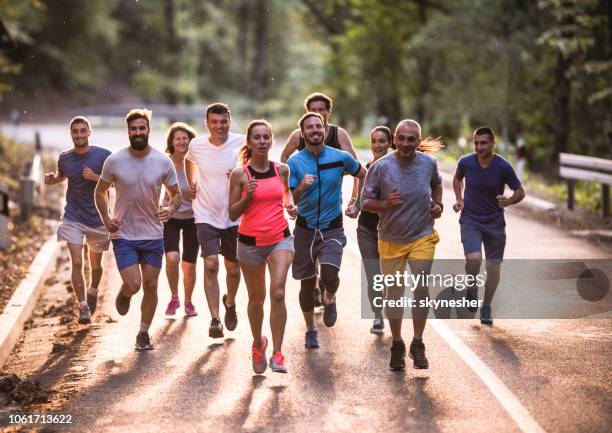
(215, 241)
(74, 233)
(316, 246)
(254, 255)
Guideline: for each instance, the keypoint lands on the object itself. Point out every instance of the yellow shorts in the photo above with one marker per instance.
(422, 249)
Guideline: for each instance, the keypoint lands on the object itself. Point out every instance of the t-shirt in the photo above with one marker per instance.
(138, 183)
(483, 185)
(80, 203)
(185, 211)
(321, 203)
(214, 162)
(415, 181)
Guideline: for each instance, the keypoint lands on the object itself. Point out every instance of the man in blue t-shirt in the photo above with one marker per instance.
(482, 212)
(316, 185)
(81, 165)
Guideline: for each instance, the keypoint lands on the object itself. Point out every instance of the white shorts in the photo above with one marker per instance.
(74, 232)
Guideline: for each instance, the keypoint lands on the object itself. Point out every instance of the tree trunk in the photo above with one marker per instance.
(243, 29)
(173, 45)
(561, 124)
(259, 71)
(424, 64)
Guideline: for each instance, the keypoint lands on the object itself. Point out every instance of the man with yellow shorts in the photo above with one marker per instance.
(405, 189)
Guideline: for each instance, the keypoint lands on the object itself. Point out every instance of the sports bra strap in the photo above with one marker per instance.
(276, 169)
(246, 170)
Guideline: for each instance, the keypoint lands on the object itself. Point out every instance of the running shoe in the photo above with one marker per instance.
(260, 362)
(485, 315)
(417, 353)
(330, 314)
(84, 315)
(173, 305)
(277, 363)
(398, 353)
(143, 342)
(92, 301)
(231, 319)
(311, 339)
(378, 327)
(216, 329)
(122, 303)
(190, 310)
(471, 294)
(318, 298)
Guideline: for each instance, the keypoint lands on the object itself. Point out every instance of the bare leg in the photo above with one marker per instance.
(95, 261)
(419, 314)
(279, 262)
(172, 271)
(255, 279)
(232, 280)
(211, 284)
(76, 262)
(131, 280)
(493, 275)
(150, 277)
(189, 279)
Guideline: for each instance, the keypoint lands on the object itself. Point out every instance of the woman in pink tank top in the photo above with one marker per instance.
(259, 195)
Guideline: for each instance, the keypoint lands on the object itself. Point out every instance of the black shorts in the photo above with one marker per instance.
(218, 241)
(172, 236)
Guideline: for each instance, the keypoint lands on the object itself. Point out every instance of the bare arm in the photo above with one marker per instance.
(238, 204)
(458, 189)
(101, 199)
(346, 144)
(288, 203)
(54, 178)
(516, 197)
(291, 145)
(165, 213)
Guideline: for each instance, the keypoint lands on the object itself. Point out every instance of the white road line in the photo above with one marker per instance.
(504, 396)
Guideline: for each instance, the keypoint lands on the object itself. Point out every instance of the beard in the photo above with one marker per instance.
(80, 143)
(315, 140)
(139, 142)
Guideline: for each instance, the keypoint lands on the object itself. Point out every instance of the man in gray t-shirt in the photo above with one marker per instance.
(136, 227)
(405, 189)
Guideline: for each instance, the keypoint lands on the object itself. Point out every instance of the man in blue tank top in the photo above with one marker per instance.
(316, 184)
(482, 212)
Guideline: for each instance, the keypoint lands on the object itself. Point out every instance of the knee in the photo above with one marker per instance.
(130, 288)
(150, 285)
(172, 259)
(472, 266)
(77, 263)
(232, 269)
(211, 266)
(277, 294)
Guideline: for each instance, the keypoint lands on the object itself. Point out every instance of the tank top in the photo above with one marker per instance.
(263, 222)
(331, 140)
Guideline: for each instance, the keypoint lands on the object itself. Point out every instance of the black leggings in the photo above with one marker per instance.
(330, 279)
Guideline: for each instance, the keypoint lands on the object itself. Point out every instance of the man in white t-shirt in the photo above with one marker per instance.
(208, 164)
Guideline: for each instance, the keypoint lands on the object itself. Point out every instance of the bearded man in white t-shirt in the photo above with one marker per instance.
(208, 164)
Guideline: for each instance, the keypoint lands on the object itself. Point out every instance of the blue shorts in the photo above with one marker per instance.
(128, 253)
(492, 235)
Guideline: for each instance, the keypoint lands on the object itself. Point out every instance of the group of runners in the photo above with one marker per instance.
(224, 196)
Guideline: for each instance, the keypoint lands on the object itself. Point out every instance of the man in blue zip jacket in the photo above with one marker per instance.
(316, 184)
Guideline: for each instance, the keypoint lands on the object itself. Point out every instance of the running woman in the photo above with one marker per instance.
(335, 136)
(209, 163)
(177, 144)
(381, 138)
(259, 191)
(136, 226)
(405, 189)
(316, 185)
(482, 212)
(81, 221)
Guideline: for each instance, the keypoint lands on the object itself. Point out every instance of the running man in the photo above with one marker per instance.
(209, 163)
(316, 184)
(81, 221)
(405, 189)
(335, 137)
(259, 191)
(136, 226)
(381, 138)
(177, 144)
(482, 212)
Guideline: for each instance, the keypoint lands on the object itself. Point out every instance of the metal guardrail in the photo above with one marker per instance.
(32, 181)
(580, 167)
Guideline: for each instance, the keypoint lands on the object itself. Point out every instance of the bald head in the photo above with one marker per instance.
(408, 122)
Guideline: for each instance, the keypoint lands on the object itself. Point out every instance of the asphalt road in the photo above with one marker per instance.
(528, 375)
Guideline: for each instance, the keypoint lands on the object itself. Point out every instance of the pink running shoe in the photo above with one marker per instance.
(172, 306)
(190, 309)
(260, 363)
(277, 363)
